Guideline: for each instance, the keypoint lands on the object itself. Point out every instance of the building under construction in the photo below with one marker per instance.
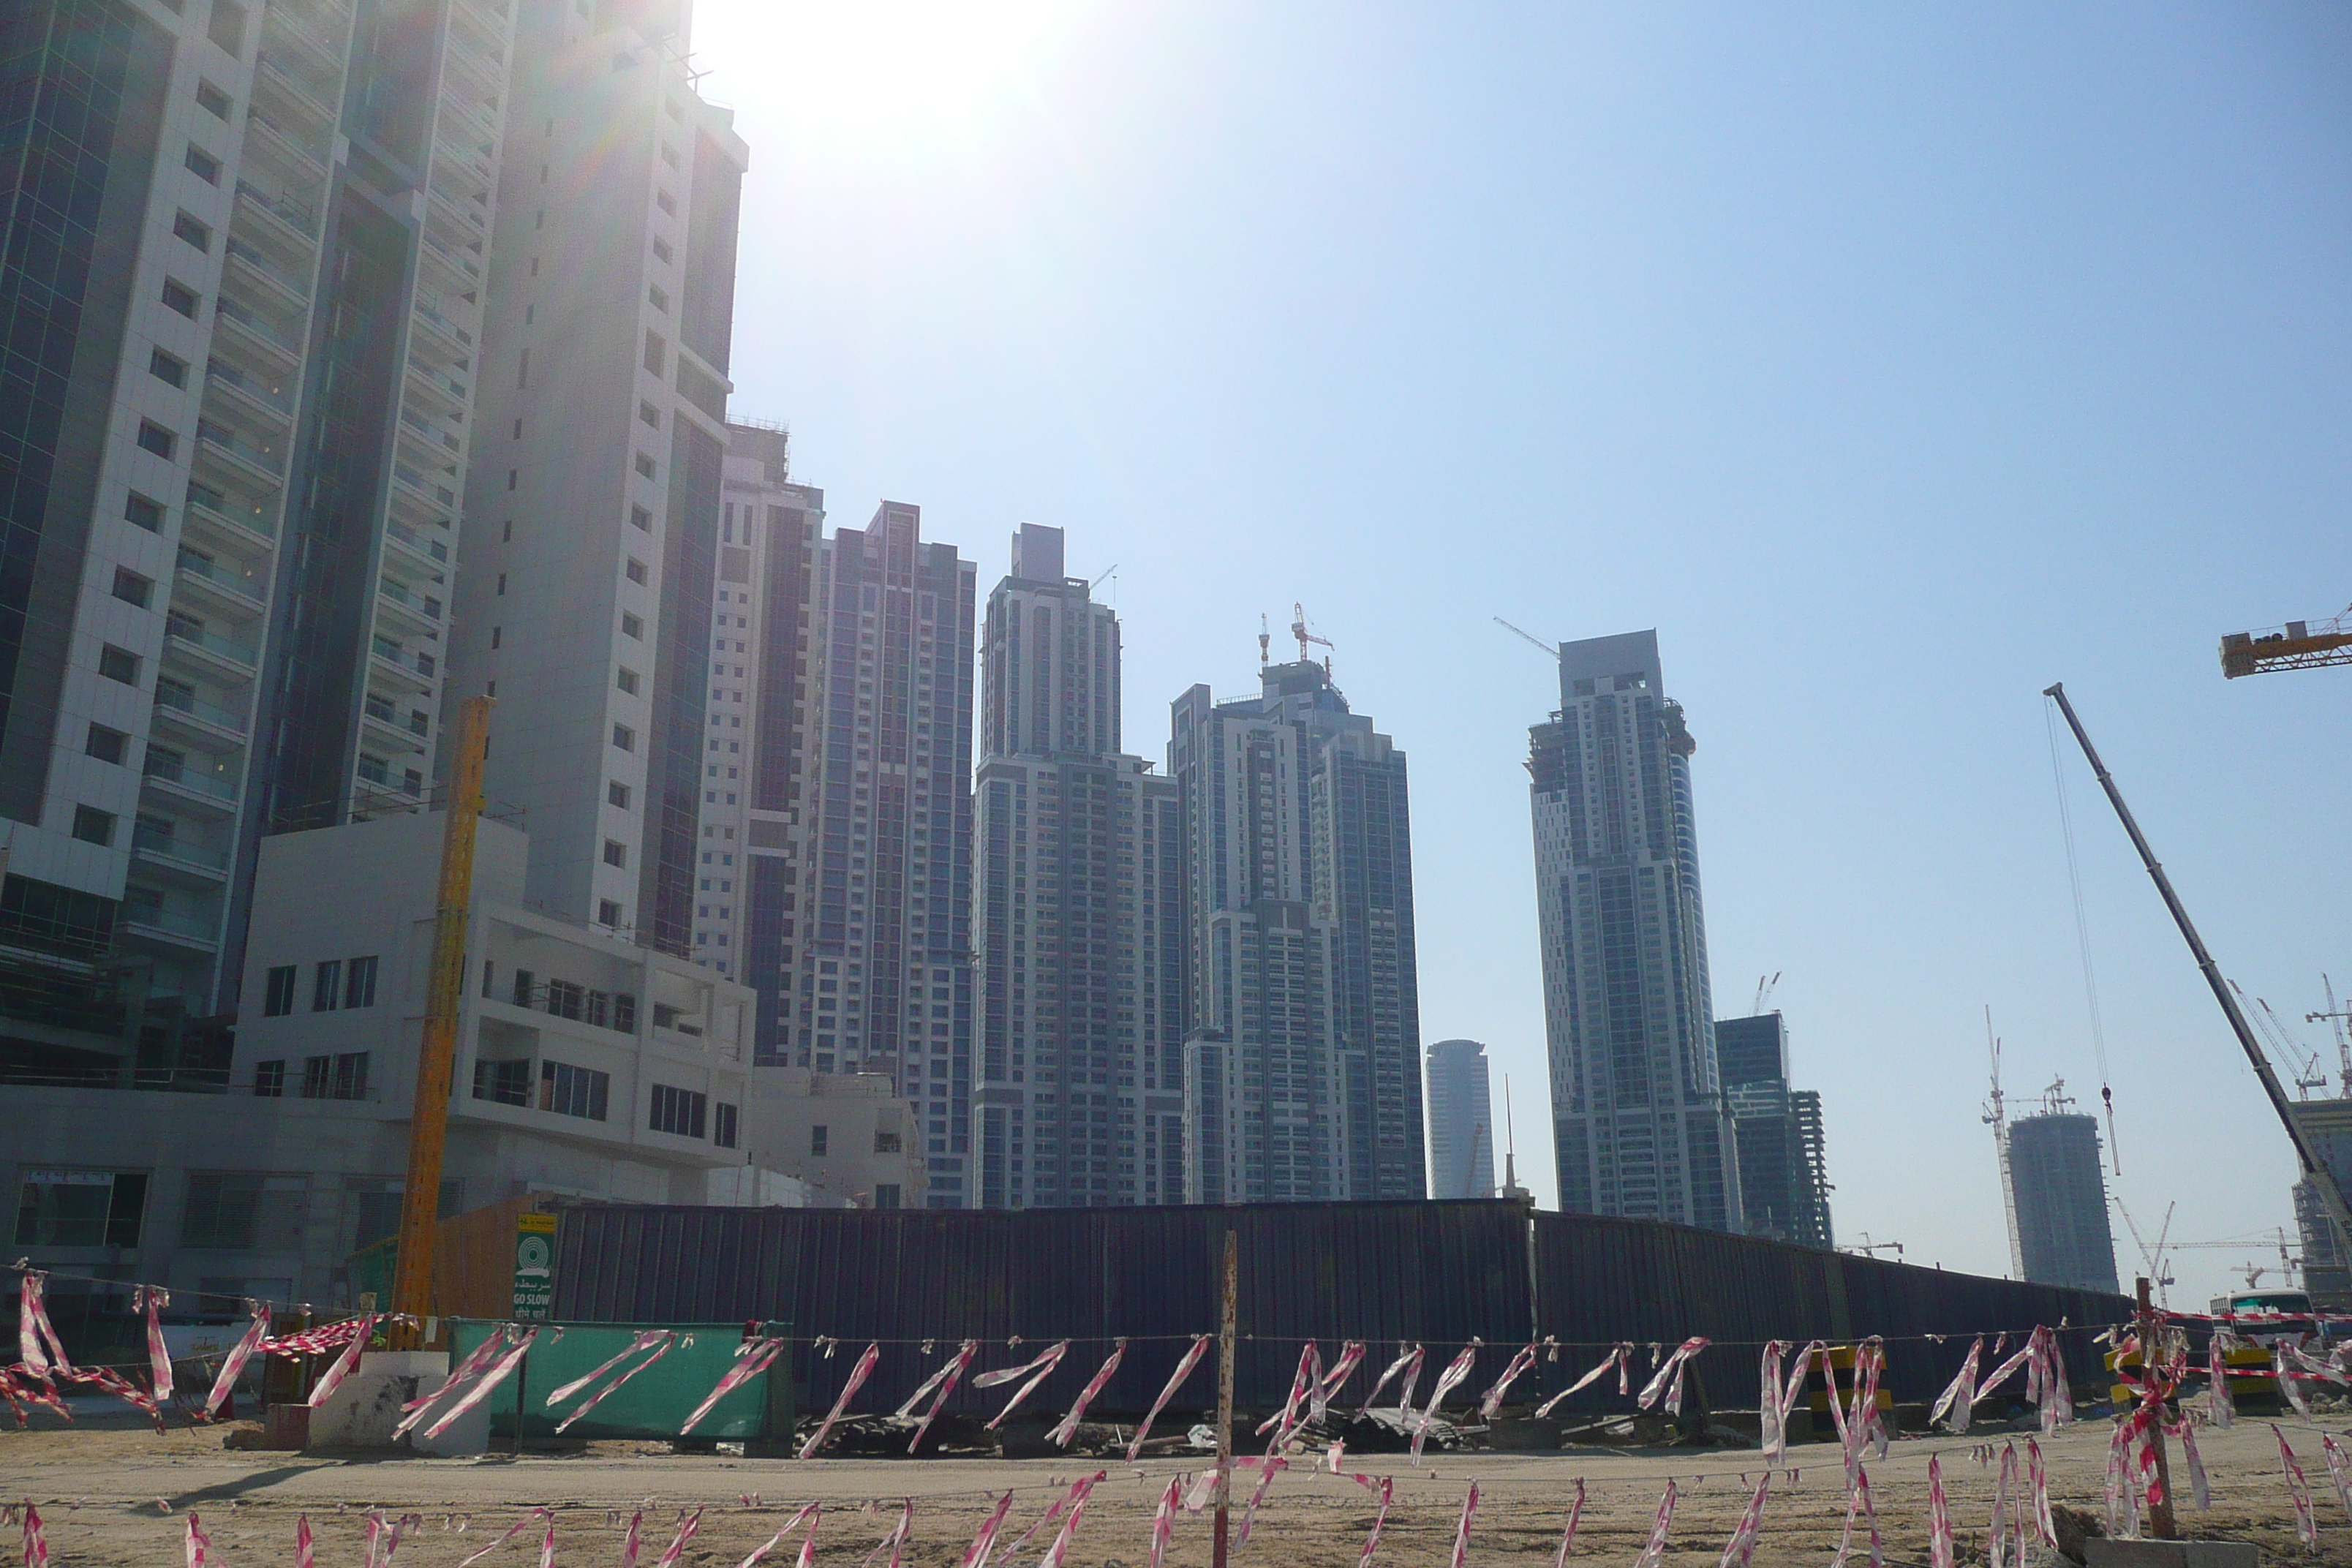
(2058, 1197)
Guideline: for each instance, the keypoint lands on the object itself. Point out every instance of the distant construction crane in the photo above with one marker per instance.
(2337, 1016)
(2152, 1258)
(1298, 629)
(1551, 648)
(1996, 1116)
(1763, 994)
(2298, 644)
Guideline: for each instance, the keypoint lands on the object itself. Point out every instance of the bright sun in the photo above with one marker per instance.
(880, 78)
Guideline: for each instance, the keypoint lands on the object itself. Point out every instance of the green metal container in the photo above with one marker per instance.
(654, 1404)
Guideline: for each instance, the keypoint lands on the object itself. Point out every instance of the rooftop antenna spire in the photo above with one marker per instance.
(1262, 638)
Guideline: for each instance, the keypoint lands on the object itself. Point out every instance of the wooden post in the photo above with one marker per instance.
(1225, 1402)
(2159, 1512)
(428, 1116)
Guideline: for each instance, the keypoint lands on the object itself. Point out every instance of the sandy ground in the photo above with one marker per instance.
(111, 1493)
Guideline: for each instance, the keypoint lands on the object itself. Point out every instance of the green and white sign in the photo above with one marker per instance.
(534, 1276)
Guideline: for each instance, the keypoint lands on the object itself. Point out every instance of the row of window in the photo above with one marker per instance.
(335, 982)
(341, 1076)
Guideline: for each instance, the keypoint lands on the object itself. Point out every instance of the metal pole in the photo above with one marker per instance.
(1225, 1402)
(2313, 1166)
(428, 1116)
(522, 1380)
(2159, 1512)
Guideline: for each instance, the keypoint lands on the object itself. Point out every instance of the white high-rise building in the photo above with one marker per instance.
(241, 258)
(1080, 884)
(750, 868)
(1461, 1121)
(594, 505)
(1640, 1123)
(1302, 1072)
(884, 923)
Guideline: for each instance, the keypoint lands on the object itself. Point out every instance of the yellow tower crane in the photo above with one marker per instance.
(2298, 644)
(428, 1118)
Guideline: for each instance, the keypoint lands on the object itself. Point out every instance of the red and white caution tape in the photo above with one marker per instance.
(665, 1338)
(2218, 1406)
(1568, 1536)
(858, 1376)
(634, 1542)
(2038, 1477)
(2307, 1528)
(945, 1381)
(154, 1299)
(1175, 1381)
(1668, 1378)
(1386, 1489)
(1406, 1356)
(1036, 1369)
(645, 1341)
(1741, 1548)
(324, 1340)
(305, 1549)
(37, 1346)
(233, 1365)
(752, 1357)
(1068, 1426)
(342, 1369)
(808, 1543)
(1617, 1357)
(976, 1555)
(1462, 1530)
(1858, 1502)
(1163, 1523)
(1446, 1383)
(483, 1387)
(1078, 1495)
(1352, 1356)
(688, 1524)
(36, 1539)
(1958, 1400)
(200, 1544)
(1997, 1539)
(1492, 1399)
(2337, 1472)
(1654, 1552)
(517, 1528)
(1272, 1466)
(894, 1543)
(1940, 1516)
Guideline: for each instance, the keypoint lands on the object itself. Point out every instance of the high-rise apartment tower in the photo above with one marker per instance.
(749, 871)
(885, 927)
(1081, 910)
(1302, 1072)
(584, 590)
(1461, 1121)
(1640, 1123)
(242, 272)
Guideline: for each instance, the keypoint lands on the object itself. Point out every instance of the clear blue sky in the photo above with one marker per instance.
(1891, 361)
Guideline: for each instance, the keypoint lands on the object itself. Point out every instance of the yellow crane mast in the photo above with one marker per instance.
(2298, 644)
(428, 1117)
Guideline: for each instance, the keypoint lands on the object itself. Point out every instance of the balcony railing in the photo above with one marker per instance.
(248, 584)
(212, 642)
(416, 540)
(276, 397)
(172, 847)
(219, 787)
(195, 707)
(286, 210)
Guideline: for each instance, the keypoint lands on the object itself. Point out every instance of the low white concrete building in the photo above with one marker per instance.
(847, 1135)
(585, 1065)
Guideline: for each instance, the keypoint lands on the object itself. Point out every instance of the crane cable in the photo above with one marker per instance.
(2081, 932)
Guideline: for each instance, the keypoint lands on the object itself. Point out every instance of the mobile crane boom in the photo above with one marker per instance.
(2321, 1176)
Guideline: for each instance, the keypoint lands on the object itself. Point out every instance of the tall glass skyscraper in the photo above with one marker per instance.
(1641, 1126)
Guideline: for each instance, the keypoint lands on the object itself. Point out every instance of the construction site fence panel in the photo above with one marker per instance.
(654, 1403)
(1436, 1273)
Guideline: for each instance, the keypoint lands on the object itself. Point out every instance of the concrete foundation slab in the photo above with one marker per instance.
(362, 1412)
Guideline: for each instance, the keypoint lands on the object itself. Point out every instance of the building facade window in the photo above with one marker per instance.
(327, 987)
(568, 1090)
(277, 998)
(81, 1208)
(682, 1112)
